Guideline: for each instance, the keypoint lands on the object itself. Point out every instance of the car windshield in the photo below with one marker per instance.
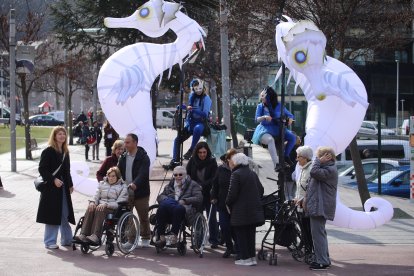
(376, 125)
(386, 176)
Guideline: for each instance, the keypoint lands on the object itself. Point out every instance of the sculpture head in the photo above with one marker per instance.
(152, 18)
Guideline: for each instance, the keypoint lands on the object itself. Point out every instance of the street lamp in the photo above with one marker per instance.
(402, 110)
(396, 101)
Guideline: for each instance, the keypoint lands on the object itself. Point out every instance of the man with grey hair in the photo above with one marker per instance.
(134, 165)
(179, 200)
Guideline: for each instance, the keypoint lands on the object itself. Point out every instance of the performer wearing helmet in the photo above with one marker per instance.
(198, 109)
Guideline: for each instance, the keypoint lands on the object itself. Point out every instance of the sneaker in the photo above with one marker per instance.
(93, 239)
(144, 244)
(214, 246)
(254, 262)
(247, 262)
(188, 154)
(81, 238)
(316, 266)
(172, 239)
(52, 246)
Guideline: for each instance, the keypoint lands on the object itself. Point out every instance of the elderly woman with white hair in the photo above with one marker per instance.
(180, 200)
(246, 211)
(320, 202)
(304, 155)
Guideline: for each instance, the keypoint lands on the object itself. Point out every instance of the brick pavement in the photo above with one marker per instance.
(387, 250)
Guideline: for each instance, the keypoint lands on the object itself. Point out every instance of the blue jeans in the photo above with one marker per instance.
(196, 130)
(170, 211)
(51, 231)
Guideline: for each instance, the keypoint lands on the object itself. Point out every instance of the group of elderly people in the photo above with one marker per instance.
(232, 188)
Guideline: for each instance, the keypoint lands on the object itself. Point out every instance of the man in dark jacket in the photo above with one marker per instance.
(134, 165)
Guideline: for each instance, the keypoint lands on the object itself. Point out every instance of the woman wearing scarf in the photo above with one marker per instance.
(202, 168)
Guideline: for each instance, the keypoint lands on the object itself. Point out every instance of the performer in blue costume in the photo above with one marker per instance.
(198, 110)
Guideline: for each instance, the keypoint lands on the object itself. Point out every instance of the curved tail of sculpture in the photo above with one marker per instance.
(349, 218)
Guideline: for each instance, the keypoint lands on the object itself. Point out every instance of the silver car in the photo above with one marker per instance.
(370, 166)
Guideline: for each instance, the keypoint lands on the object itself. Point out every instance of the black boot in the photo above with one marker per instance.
(171, 165)
(188, 154)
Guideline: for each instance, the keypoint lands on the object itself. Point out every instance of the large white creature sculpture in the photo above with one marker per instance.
(125, 79)
(337, 102)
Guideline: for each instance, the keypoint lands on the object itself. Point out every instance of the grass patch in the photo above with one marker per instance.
(41, 134)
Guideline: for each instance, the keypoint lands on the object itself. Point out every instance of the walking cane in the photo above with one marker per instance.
(205, 233)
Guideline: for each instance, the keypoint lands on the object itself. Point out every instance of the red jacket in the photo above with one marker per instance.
(110, 161)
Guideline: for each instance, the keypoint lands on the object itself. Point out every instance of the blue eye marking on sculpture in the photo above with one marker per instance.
(300, 57)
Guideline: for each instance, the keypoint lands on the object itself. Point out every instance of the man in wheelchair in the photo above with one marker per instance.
(110, 193)
(178, 202)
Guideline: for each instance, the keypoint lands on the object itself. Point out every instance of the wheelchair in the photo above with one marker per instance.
(118, 226)
(196, 233)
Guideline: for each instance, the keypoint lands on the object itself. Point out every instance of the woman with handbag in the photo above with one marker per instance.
(55, 205)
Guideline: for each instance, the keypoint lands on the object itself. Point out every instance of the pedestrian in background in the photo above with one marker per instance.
(246, 211)
(96, 132)
(110, 161)
(86, 134)
(219, 191)
(320, 203)
(55, 205)
(202, 168)
(110, 136)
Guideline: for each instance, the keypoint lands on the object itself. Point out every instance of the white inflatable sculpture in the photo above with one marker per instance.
(337, 102)
(126, 78)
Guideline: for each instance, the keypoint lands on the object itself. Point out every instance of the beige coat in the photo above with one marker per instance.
(111, 194)
(302, 183)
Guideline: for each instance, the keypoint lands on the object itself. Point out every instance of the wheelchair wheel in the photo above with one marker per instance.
(127, 233)
(198, 232)
(109, 249)
(85, 248)
(182, 248)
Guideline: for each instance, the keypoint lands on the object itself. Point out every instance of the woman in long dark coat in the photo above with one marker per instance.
(202, 168)
(246, 211)
(55, 205)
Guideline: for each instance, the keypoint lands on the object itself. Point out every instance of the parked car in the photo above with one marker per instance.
(57, 114)
(346, 174)
(391, 149)
(395, 182)
(44, 120)
(165, 117)
(5, 114)
(371, 127)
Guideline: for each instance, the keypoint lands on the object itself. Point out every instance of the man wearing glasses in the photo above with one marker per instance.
(180, 200)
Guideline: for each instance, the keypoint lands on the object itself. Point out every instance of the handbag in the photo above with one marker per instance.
(91, 141)
(40, 183)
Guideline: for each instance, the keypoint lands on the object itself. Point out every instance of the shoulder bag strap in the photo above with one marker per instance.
(55, 172)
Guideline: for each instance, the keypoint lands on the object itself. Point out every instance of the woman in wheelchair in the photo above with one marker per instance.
(111, 192)
(178, 202)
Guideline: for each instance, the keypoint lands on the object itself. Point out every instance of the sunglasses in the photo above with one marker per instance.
(178, 174)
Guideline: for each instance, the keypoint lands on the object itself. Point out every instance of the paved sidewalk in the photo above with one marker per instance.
(387, 250)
